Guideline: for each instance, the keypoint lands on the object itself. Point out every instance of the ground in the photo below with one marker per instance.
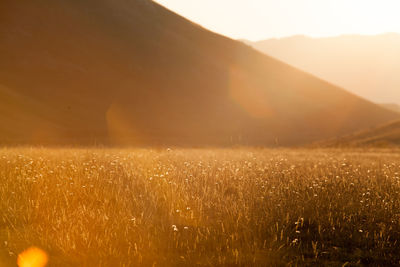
(201, 207)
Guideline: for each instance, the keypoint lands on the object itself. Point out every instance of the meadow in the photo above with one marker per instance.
(201, 207)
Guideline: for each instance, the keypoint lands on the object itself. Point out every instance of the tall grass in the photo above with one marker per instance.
(232, 207)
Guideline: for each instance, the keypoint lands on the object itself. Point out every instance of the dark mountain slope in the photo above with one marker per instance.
(132, 72)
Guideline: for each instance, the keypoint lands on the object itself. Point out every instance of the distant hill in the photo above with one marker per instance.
(392, 107)
(134, 73)
(366, 65)
(386, 135)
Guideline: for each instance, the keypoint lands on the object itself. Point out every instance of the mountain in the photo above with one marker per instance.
(130, 72)
(387, 135)
(367, 65)
(392, 107)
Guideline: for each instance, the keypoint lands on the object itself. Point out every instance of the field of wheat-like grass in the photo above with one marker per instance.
(200, 207)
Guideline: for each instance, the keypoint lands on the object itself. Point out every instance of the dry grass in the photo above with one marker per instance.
(201, 207)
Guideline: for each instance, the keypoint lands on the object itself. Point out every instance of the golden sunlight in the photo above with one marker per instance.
(32, 257)
(261, 19)
(199, 133)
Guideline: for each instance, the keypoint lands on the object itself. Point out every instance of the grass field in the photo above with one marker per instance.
(220, 207)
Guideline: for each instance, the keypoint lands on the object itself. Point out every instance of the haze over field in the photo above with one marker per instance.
(368, 66)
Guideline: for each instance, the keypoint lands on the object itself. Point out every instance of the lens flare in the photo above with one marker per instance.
(32, 257)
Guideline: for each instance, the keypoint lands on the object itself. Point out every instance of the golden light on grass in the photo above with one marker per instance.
(32, 257)
(187, 207)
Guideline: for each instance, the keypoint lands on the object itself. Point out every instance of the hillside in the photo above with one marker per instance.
(366, 65)
(133, 73)
(392, 107)
(387, 135)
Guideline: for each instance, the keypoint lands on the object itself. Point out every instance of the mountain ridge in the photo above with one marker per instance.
(392, 107)
(364, 64)
(133, 73)
(386, 135)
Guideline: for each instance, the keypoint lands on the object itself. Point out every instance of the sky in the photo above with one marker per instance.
(263, 19)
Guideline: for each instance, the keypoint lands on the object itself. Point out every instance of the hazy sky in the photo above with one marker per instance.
(261, 19)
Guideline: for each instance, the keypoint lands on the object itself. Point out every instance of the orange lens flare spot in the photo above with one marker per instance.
(249, 95)
(32, 257)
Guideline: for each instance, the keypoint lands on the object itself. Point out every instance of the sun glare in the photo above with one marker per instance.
(33, 257)
(263, 19)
